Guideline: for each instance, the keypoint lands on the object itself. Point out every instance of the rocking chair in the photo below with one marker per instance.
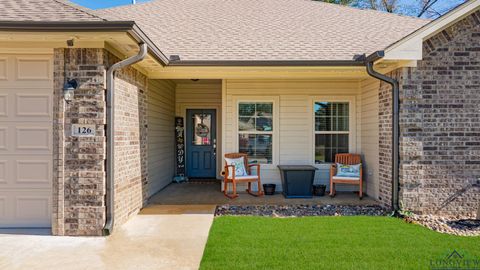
(249, 178)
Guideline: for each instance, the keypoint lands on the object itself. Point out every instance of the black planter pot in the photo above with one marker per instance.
(319, 190)
(269, 189)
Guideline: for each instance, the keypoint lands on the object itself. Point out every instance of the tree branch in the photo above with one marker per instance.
(426, 6)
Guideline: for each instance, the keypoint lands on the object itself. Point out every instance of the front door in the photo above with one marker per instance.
(201, 143)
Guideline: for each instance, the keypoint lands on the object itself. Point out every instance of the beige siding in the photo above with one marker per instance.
(196, 95)
(203, 94)
(161, 140)
(369, 134)
(295, 117)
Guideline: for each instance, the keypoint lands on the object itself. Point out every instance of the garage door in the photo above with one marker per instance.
(26, 92)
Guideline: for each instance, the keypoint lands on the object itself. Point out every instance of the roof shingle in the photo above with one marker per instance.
(264, 30)
(44, 10)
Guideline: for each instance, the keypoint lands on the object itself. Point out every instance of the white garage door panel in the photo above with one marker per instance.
(26, 163)
(32, 138)
(25, 104)
(32, 68)
(33, 171)
(20, 208)
(3, 139)
(3, 105)
(35, 105)
(3, 67)
(3, 172)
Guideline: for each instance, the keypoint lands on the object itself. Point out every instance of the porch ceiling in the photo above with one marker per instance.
(232, 72)
(273, 72)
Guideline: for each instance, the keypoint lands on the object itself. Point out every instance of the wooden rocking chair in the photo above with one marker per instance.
(249, 178)
(348, 159)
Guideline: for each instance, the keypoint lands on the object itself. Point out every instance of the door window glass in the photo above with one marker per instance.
(202, 127)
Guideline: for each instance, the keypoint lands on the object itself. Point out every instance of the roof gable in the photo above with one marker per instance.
(410, 47)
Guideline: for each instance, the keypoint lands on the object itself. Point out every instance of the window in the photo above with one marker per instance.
(332, 130)
(255, 131)
(202, 129)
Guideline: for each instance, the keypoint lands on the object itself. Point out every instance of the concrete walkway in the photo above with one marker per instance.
(160, 237)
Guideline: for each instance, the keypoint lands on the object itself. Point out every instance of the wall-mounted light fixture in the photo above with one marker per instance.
(69, 90)
(71, 42)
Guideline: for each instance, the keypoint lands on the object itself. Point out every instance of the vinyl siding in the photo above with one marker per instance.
(161, 139)
(295, 117)
(370, 134)
(197, 95)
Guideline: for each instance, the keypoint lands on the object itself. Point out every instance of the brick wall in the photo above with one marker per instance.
(440, 124)
(79, 175)
(130, 141)
(79, 178)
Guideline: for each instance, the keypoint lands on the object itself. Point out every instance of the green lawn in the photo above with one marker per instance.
(328, 243)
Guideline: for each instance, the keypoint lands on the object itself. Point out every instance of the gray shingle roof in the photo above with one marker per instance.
(264, 29)
(44, 10)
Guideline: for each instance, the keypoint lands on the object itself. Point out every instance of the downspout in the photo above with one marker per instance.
(369, 61)
(110, 163)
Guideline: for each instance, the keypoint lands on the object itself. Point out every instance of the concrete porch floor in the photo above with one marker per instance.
(160, 237)
(210, 194)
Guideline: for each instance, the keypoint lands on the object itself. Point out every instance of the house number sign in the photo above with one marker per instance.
(80, 130)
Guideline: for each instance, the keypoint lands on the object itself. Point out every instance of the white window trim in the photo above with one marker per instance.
(352, 138)
(276, 127)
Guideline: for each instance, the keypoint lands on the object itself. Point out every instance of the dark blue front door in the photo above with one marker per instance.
(201, 143)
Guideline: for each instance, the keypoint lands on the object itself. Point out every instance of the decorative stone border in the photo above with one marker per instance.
(300, 210)
(465, 227)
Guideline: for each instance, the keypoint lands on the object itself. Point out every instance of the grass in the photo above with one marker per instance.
(358, 242)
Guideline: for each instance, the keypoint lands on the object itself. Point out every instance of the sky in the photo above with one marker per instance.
(96, 4)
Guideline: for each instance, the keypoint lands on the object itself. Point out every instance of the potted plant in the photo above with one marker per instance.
(269, 189)
(319, 190)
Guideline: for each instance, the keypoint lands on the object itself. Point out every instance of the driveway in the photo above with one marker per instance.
(160, 237)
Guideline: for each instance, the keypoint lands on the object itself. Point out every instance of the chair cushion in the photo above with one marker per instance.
(239, 164)
(246, 177)
(344, 170)
(346, 178)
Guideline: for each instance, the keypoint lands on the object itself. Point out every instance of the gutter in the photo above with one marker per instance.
(267, 63)
(79, 26)
(369, 61)
(110, 190)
